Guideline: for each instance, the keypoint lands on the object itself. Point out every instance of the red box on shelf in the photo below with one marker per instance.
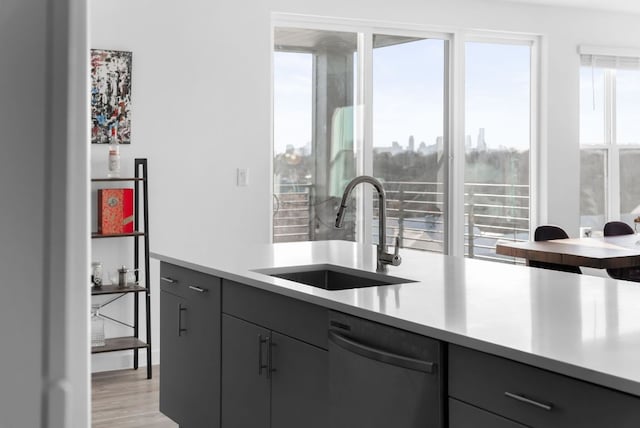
(115, 211)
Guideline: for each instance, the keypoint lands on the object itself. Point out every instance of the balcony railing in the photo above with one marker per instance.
(293, 213)
(416, 213)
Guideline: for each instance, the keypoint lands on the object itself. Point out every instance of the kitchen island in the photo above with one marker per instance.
(582, 327)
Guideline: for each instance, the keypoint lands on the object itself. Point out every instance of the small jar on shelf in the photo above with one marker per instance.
(96, 274)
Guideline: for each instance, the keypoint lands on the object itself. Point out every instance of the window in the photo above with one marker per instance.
(497, 145)
(377, 102)
(314, 93)
(408, 137)
(610, 139)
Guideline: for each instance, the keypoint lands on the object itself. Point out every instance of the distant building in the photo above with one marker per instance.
(422, 148)
(393, 150)
(482, 144)
(411, 146)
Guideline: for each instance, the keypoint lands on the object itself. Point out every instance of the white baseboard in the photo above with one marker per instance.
(121, 360)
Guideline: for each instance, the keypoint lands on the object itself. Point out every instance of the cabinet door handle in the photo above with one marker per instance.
(526, 400)
(260, 365)
(198, 289)
(167, 279)
(180, 310)
(270, 368)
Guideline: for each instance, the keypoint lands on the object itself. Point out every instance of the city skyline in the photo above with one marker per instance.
(477, 143)
(408, 95)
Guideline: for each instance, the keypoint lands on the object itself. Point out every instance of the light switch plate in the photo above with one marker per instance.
(242, 177)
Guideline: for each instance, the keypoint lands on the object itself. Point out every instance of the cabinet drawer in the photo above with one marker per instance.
(185, 282)
(536, 397)
(292, 317)
(462, 415)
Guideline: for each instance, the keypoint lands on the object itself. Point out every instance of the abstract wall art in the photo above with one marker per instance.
(110, 96)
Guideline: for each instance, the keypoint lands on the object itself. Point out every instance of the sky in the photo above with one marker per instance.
(408, 82)
(408, 93)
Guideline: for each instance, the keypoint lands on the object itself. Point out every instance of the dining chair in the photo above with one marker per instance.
(547, 233)
(617, 228)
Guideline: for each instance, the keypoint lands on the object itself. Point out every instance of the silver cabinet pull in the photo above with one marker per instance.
(270, 368)
(181, 309)
(261, 366)
(167, 279)
(198, 289)
(523, 399)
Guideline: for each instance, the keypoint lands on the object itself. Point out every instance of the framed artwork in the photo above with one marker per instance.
(110, 96)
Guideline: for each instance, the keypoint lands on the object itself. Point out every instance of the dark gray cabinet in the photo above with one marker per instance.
(462, 415)
(299, 387)
(535, 397)
(271, 380)
(190, 350)
(173, 389)
(245, 387)
(274, 360)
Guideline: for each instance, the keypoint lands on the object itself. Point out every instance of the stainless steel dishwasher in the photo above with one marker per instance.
(382, 377)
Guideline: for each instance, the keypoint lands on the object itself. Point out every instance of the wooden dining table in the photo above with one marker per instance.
(609, 252)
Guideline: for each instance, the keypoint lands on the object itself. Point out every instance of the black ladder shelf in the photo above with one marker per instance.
(131, 342)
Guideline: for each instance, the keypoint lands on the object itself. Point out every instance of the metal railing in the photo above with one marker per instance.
(495, 212)
(416, 213)
(293, 213)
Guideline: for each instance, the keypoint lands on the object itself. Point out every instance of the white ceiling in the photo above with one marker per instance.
(614, 5)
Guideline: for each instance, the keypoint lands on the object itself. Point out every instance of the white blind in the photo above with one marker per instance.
(610, 61)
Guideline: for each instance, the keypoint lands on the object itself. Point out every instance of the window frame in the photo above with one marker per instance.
(611, 146)
(454, 112)
(536, 178)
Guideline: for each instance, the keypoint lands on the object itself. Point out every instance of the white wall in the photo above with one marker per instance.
(201, 94)
(43, 215)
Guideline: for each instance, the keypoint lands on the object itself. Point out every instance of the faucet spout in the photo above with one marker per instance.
(349, 188)
(384, 258)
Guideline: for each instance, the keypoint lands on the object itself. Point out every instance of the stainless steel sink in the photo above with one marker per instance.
(332, 277)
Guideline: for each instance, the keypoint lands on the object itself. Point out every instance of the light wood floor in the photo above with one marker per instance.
(126, 399)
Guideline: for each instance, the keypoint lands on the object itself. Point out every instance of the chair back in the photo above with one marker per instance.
(616, 228)
(547, 233)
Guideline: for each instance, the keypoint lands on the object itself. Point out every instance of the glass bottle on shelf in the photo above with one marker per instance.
(114, 155)
(97, 327)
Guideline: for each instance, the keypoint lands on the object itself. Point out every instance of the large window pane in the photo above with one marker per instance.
(408, 138)
(628, 133)
(498, 134)
(592, 102)
(609, 111)
(629, 184)
(628, 107)
(593, 185)
(314, 132)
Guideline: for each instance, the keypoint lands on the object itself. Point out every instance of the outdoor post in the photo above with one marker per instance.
(470, 238)
(401, 217)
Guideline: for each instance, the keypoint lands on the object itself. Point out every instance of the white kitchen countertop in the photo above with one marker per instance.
(579, 325)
